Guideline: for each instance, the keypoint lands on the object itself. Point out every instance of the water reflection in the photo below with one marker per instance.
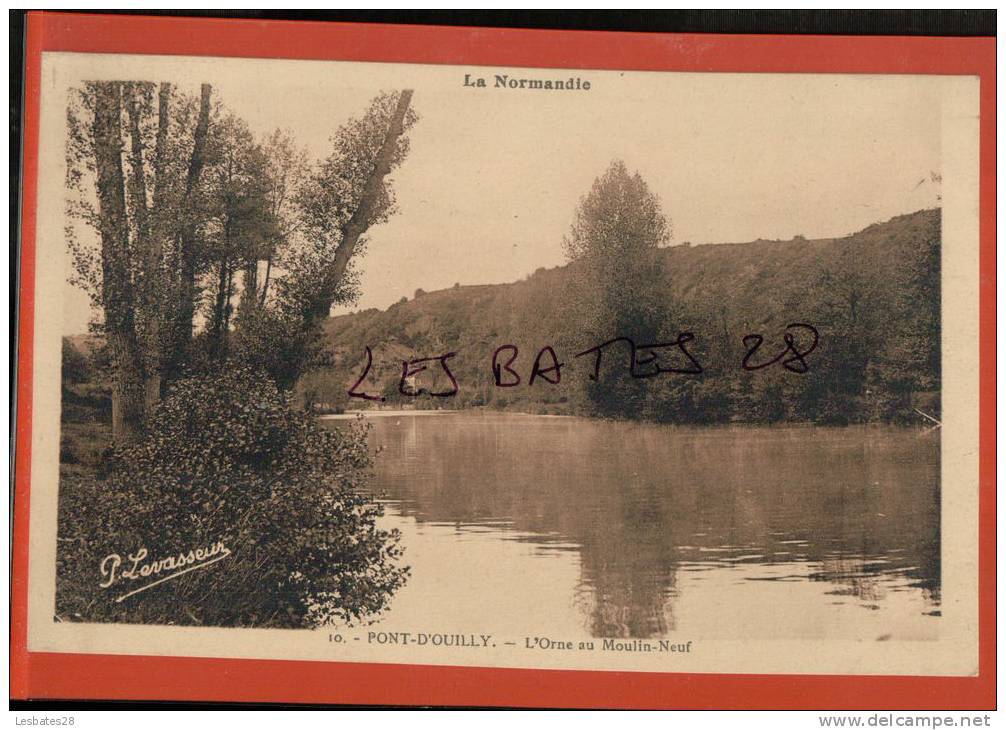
(648, 529)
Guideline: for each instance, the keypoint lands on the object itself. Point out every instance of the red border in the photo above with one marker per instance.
(50, 675)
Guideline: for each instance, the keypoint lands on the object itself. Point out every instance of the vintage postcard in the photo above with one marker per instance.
(362, 361)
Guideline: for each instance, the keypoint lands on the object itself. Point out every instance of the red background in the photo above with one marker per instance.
(51, 675)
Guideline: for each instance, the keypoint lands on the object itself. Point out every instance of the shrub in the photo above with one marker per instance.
(226, 459)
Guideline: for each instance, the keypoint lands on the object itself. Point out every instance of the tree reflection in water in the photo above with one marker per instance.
(644, 505)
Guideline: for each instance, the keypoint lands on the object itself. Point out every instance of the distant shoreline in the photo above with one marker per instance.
(349, 415)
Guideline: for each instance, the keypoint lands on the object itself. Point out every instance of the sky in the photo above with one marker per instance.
(494, 175)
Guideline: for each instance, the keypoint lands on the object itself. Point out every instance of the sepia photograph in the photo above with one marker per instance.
(506, 366)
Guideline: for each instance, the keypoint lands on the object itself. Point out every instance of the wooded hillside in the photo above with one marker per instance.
(873, 296)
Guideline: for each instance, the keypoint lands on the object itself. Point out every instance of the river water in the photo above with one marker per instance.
(572, 527)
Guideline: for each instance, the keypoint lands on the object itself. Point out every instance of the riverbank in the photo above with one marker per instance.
(351, 415)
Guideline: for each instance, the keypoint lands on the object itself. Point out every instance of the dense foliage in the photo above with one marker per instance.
(227, 460)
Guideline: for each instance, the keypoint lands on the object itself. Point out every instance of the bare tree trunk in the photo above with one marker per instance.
(155, 290)
(265, 282)
(137, 179)
(160, 146)
(186, 304)
(117, 289)
(225, 331)
(147, 242)
(249, 287)
(218, 322)
(360, 220)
